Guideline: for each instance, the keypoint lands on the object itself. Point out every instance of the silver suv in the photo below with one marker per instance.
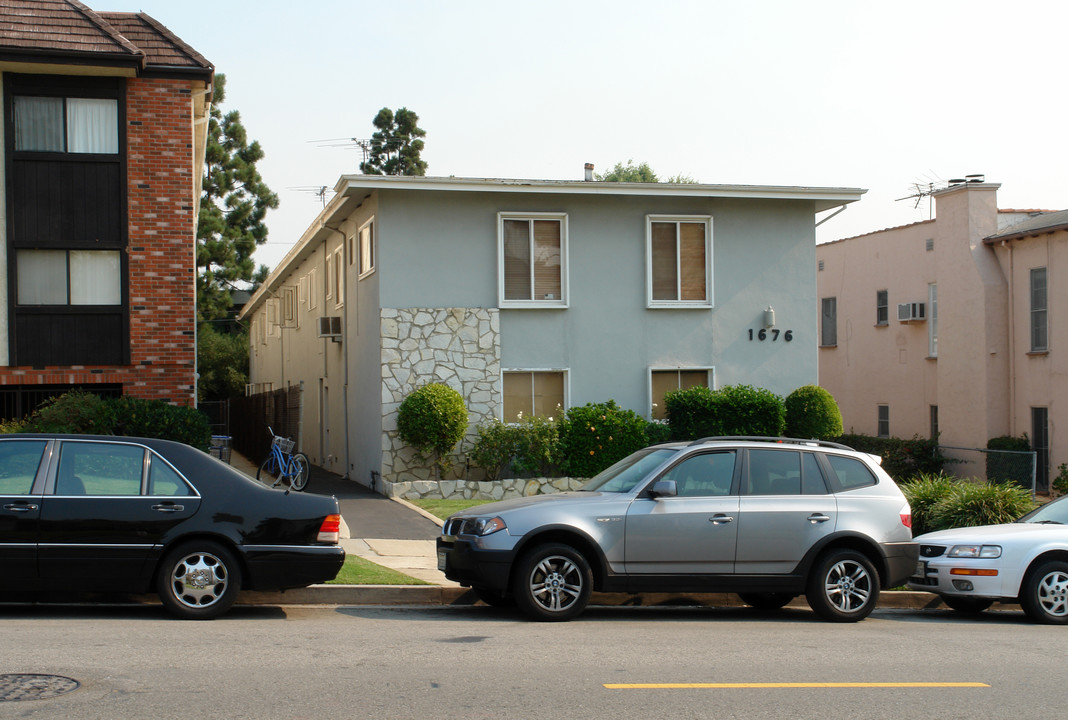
(768, 519)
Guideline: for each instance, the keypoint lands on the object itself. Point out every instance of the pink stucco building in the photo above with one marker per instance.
(949, 327)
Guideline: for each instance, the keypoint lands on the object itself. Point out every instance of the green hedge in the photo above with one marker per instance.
(939, 502)
(595, 436)
(811, 412)
(902, 459)
(733, 410)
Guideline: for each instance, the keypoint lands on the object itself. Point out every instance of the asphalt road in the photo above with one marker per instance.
(478, 662)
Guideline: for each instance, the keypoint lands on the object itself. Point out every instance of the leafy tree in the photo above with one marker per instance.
(639, 173)
(396, 145)
(222, 361)
(233, 206)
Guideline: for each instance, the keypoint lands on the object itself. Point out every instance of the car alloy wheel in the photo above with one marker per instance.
(843, 586)
(199, 581)
(1045, 593)
(553, 582)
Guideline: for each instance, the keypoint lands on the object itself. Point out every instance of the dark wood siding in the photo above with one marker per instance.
(46, 338)
(63, 204)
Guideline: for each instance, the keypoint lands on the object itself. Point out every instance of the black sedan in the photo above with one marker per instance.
(82, 513)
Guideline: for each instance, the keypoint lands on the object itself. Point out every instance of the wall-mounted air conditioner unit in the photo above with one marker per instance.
(330, 327)
(911, 312)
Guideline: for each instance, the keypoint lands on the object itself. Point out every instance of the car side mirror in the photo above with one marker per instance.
(664, 488)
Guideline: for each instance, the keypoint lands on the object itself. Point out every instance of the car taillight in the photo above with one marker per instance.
(330, 530)
(906, 517)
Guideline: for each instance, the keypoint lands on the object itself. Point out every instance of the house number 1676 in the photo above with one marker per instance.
(763, 334)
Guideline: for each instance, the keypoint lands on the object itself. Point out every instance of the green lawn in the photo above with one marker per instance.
(358, 571)
(445, 508)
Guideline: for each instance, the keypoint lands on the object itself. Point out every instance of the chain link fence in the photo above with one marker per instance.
(1016, 466)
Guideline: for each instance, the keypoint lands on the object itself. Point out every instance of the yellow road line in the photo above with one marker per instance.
(723, 686)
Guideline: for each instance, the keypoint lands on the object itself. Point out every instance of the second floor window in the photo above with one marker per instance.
(66, 124)
(882, 314)
(1039, 309)
(829, 322)
(679, 252)
(69, 277)
(532, 249)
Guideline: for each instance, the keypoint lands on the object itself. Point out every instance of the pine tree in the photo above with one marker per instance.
(233, 206)
(396, 145)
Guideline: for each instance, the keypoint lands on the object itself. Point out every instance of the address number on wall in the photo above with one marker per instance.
(773, 334)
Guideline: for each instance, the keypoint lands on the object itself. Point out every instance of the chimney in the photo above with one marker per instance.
(589, 172)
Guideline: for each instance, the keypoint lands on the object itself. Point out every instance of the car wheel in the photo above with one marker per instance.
(970, 605)
(1044, 596)
(302, 468)
(494, 598)
(552, 582)
(843, 586)
(766, 601)
(199, 580)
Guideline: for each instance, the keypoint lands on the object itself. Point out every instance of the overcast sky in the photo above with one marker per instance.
(875, 95)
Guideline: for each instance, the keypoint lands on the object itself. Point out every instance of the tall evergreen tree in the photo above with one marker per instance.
(639, 173)
(233, 206)
(396, 145)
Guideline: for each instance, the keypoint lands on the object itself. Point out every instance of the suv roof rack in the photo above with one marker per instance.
(812, 442)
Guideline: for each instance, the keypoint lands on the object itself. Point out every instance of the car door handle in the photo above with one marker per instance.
(169, 508)
(720, 518)
(818, 518)
(20, 508)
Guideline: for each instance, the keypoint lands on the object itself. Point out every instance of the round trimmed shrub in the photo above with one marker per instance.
(812, 413)
(433, 419)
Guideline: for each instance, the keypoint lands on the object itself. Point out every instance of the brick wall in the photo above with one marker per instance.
(161, 247)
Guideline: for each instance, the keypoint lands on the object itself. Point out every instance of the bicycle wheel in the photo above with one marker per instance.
(300, 469)
(268, 473)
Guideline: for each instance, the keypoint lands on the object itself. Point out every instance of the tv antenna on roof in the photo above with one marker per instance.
(319, 191)
(346, 143)
(926, 190)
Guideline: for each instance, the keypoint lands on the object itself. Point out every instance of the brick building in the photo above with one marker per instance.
(104, 135)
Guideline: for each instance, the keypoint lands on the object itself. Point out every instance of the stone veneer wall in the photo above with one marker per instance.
(459, 347)
(470, 489)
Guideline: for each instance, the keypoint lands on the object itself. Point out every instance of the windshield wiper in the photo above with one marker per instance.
(1048, 522)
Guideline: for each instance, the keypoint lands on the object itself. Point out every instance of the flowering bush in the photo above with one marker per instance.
(595, 436)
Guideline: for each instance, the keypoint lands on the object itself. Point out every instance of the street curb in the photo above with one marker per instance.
(441, 595)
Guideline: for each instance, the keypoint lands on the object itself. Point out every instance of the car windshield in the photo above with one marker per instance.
(1052, 513)
(628, 472)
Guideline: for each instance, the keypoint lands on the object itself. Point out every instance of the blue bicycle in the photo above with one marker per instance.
(283, 466)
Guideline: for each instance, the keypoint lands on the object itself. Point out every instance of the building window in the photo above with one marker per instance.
(882, 309)
(932, 320)
(289, 306)
(883, 426)
(929, 244)
(339, 277)
(532, 248)
(69, 277)
(313, 289)
(367, 249)
(1039, 310)
(934, 423)
(829, 322)
(1040, 444)
(661, 382)
(66, 125)
(679, 260)
(533, 392)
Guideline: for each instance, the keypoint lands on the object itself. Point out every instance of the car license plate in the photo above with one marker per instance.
(442, 553)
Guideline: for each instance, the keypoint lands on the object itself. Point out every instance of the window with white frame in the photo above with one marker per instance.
(289, 306)
(661, 382)
(829, 322)
(932, 320)
(367, 248)
(679, 261)
(313, 289)
(1039, 311)
(339, 277)
(273, 307)
(532, 266)
(529, 393)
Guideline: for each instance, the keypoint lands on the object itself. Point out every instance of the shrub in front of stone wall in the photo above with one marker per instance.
(433, 419)
(494, 447)
(811, 412)
(537, 447)
(595, 436)
(156, 419)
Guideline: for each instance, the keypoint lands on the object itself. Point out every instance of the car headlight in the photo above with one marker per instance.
(975, 551)
(488, 526)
